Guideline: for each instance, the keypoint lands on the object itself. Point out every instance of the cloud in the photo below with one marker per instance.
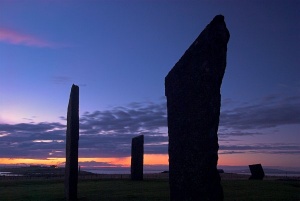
(228, 132)
(102, 133)
(17, 38)
(272, 111)
(31, 140)
(134, 119)
(270, 148)
(108, 133)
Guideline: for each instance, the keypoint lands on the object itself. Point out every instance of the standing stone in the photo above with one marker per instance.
(257, 172)
(137, 158)
(71, 169)
(192, 89)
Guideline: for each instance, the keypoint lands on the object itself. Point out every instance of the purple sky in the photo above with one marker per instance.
(119, 52)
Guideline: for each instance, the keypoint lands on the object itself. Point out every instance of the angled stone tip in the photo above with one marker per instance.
(218, 25)
(218, 18)
(75, 88)
(209, 49)
(74, 95)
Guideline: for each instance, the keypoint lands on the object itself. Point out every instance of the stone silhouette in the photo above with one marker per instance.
(72, 137)
(257, 172)
(192, 89)
(137, 158)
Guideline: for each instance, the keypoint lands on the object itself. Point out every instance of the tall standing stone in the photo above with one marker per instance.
(192, 89)
(72, 137)
(137, 158)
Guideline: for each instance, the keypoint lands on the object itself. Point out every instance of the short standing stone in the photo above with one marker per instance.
(71, 168)
(137, 158)
(193, 95)
(257, 172)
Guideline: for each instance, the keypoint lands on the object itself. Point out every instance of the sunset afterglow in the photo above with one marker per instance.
(149, 159)
(119, 57)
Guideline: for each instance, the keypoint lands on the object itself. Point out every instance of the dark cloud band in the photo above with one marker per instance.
(108, 133)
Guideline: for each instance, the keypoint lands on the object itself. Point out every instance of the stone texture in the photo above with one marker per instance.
(137, 158)
(257, 172)
(72, 137)
(192, 89)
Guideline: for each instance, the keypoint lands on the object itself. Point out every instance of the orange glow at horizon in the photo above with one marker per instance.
(156, 159)
(149, 159)
(159, 159)
(31, 161)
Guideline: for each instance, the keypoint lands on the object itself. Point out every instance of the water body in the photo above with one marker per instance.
(9, 174)
(118, 171)
(148, 171)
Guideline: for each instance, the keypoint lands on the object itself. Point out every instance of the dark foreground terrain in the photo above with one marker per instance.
(152, 188)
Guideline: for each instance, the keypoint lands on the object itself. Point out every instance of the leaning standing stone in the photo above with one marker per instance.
(192, 89)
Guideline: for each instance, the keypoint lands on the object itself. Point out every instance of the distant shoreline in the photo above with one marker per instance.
(37, 172)
(164, 176)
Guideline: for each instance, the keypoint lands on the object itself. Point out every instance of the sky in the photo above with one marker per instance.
(118, 53)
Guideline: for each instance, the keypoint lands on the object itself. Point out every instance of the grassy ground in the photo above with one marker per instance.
(124, 190)
(270, 190)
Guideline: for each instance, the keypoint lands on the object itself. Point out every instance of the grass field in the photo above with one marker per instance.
(150, 189)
